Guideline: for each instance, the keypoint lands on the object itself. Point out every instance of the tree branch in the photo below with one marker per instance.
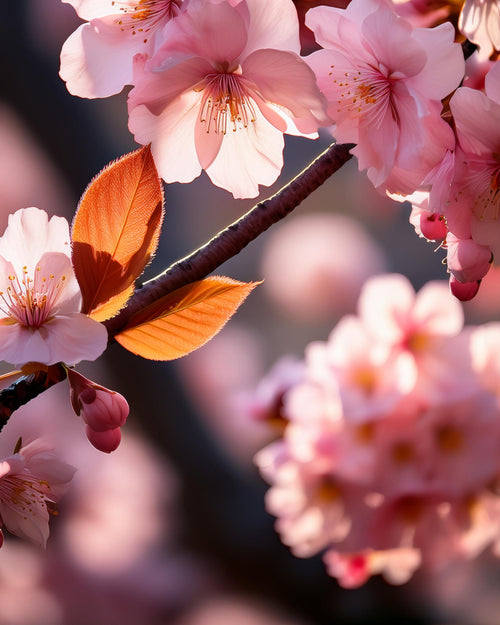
(235, 237)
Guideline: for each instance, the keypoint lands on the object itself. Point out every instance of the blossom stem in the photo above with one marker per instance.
(235, 237)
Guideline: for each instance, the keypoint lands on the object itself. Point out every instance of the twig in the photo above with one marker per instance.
(235, 237)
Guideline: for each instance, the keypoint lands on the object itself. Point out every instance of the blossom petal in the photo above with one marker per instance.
(284, 79)
(175, 127)
(272, 25)
(437, 80)
(57, 340)
(438, 309)
(33, 525)
(247, 158)
(157, 89)
(384, 303)
(207, 143)
(89, 9)
(96, 63)
(477, 120)
(63, 336)
(198, 33)
(391, 43)
(30, 234)
(492, 83)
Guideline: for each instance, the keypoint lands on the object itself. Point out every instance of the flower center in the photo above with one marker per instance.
(363, 92)
(144, 15)
(31, 301)
(327, 490)
(449, 439)
(226, 102)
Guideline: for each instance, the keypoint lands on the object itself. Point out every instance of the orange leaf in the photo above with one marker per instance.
(115, 231)
(112, 306)
(184, 320)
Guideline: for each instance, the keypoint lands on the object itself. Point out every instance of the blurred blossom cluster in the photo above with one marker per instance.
(315, 264)
(389, 458)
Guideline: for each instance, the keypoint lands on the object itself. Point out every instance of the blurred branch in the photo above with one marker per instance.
(235, 237)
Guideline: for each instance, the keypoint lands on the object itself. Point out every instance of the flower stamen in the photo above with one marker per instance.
(226, 102)
(144, 15)
(30, 301)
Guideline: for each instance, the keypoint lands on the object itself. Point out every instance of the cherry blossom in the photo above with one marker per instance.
(32, 479)
(97, 59)
(384, 88)
(220, 92)
(426, 326)
(39, 296)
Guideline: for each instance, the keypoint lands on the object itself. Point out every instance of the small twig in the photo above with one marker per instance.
(235, 237)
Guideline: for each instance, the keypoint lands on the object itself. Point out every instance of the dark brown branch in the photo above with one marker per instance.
(235, 237)
(27, 388)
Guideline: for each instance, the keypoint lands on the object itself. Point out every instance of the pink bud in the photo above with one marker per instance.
(432, 226)
(464, 291)
(102, 409)
(467, 260)
(106, 441)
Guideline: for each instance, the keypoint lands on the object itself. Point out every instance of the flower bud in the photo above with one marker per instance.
(464, 291)
(467, 260)
(106, 441)
(432, 226)
(103, 410)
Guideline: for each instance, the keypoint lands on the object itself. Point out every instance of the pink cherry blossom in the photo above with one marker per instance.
(39, 296)
(221, 91)
(384, 88)
(371, 380)
(425, 325)
(31, 480)
(97, 59)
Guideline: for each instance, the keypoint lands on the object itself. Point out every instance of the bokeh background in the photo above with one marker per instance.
(171, 528)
